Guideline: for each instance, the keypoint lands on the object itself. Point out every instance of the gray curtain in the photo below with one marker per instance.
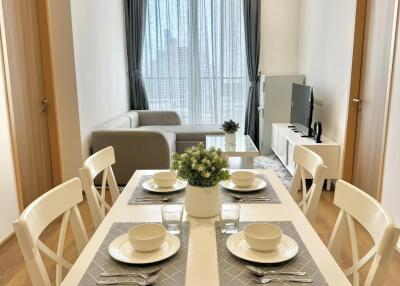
(135, 14)
(251, 11)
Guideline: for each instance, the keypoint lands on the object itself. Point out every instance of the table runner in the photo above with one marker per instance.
(179, 196)
(173, 269)
(232, 270)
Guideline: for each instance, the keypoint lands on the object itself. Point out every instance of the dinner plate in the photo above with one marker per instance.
(149, 185)
(121, 249)
(238, 246)
(258, 184)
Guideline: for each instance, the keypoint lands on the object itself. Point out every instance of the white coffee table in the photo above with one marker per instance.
(244, 148)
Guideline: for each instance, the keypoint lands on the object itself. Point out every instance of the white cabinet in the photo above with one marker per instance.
(275, 105)
(284, 140)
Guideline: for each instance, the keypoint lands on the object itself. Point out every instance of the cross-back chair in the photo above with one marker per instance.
(308, 162)
(357, 205)
(100, 162)
(62, 200)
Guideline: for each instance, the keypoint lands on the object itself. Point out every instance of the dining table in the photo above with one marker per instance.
(202, 266)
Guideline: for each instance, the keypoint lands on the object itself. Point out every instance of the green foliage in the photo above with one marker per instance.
(230, 126)
(200, 166)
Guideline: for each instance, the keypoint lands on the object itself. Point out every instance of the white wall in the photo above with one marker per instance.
(8, 189)
(325, 57)
(279, 36)
(390, 183)
(100, 62)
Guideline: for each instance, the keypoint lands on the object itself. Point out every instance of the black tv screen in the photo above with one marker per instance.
(302, 108)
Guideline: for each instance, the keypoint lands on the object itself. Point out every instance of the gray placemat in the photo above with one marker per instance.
(268, 191)
(232, 270)
(179, 196)
(173, 269)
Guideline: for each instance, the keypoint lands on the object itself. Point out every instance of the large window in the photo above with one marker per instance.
(194, 59)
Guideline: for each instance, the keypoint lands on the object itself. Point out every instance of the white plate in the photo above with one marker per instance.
(239, 247)
(258, 184)
(121, 250)
(152, 187)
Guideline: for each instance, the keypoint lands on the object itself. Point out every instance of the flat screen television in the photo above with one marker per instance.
(302, 108)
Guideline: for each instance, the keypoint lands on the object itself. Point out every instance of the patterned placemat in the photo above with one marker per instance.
(173, 269)
(179, 196)
(268, 192)
(232, 270)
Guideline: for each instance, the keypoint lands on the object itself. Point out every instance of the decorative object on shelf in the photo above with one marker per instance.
(203, 169)
(317, 131)
(230, 127)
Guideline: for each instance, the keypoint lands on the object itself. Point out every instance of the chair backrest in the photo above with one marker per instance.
(62, 200)
(309, 162)
(99, 162)
(358, 205)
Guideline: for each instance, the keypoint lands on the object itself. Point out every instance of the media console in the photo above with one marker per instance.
(284, 139)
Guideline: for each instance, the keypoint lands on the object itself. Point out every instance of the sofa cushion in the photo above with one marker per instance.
(171, 139)
(134, 116)
(188, 132)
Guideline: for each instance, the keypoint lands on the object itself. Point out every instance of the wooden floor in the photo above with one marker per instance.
(13, 272)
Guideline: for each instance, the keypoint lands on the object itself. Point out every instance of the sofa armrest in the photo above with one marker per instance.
(134, 150)
(158, 117)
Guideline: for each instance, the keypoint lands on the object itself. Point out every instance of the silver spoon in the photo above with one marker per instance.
(258, 272)
(145, 282)
(144, 275)
(151, 199)
(265, 280)
(249, 198)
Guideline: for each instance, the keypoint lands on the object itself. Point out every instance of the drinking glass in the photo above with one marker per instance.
(229, 216)
(172, 218)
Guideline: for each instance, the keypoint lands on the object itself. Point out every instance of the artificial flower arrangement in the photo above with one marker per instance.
(200, 166)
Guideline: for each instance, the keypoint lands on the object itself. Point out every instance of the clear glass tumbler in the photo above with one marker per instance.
(172, 218)
(229, 216)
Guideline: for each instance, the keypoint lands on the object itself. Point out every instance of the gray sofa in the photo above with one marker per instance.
(146, 139)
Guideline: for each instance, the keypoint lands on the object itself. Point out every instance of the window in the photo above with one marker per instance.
(194, 59)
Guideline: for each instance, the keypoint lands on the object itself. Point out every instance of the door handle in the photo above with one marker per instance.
(45, 103)
(356, 100)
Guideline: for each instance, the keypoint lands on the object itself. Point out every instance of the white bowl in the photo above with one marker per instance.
(243, 178)
(262, 236)
(164, 179)
(147, 237)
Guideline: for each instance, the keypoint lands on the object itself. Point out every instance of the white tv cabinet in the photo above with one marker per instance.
(284, 139)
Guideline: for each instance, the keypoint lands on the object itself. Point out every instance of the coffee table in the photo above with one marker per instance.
(244, 148)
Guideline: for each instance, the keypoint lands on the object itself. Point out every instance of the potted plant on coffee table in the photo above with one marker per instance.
(230, 128)
(203, 169)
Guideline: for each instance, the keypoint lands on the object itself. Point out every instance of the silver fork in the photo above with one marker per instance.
(143, 275)
(265, 280)
(151, 280)
(258, 272)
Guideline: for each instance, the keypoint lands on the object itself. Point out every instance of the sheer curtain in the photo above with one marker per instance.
(194, 59)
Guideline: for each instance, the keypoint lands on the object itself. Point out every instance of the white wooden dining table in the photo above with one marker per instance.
(202, 266)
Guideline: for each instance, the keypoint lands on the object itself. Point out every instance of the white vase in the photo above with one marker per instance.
(202, 202)
(230, 138)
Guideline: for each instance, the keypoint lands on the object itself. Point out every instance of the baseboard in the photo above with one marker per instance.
(7, 240)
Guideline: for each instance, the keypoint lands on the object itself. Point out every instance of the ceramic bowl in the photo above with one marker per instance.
(243, 178)
(262, 236)
(164, 179)
(147, 237)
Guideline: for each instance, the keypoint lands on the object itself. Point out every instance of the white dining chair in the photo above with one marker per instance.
(62, 200)
(357, 205)
(308, 163)
(100, 162)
